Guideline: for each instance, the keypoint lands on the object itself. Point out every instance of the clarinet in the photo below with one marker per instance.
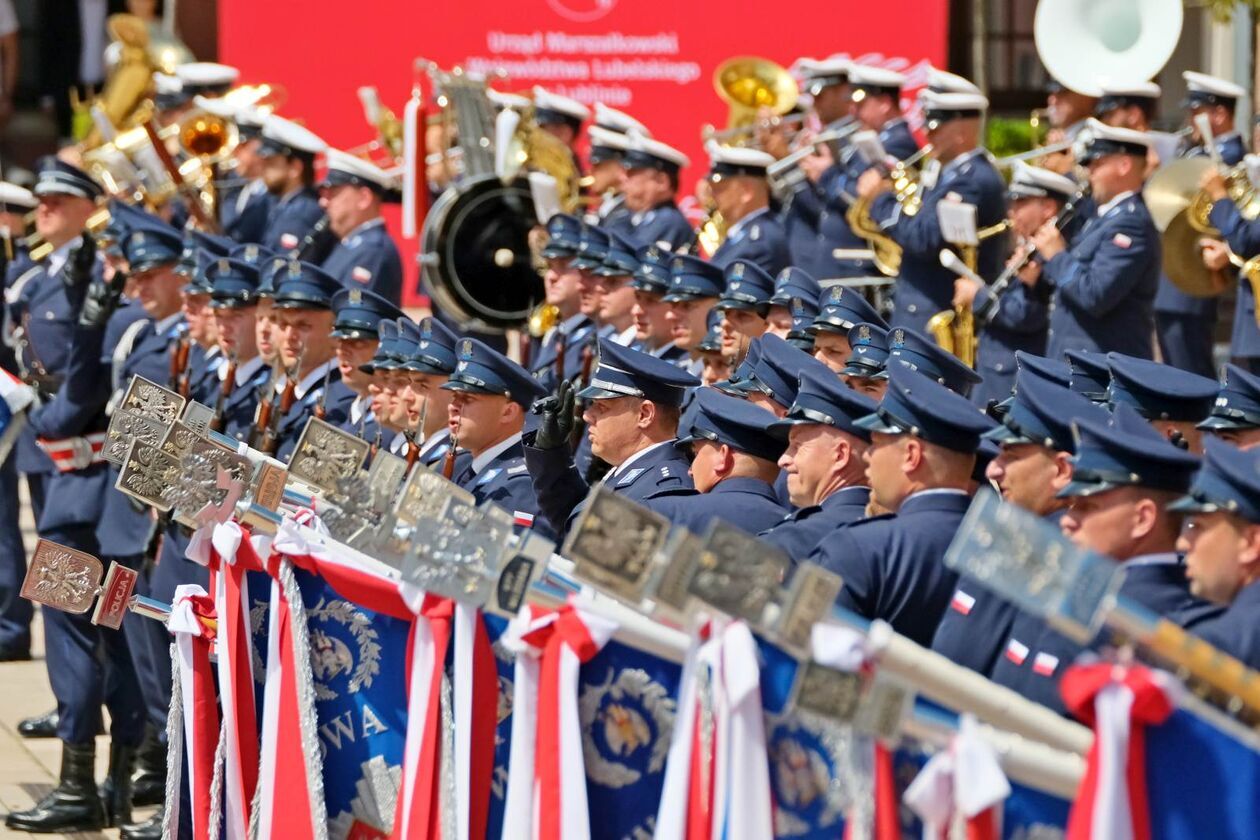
(317, 244)
(986, 313)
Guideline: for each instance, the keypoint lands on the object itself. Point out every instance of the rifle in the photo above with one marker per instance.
(448, 463)
(179, 362)
(225, 390)
(271, 432)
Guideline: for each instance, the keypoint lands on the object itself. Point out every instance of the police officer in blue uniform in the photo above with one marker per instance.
(1235, 415)
(650, 282)
(87, 664)
(15, 611)
(1020, 319)
(1242, 238)
(866, 368)
(1035, 440)
(1174, 401)
(1185, 323)
(744, 304)
(1124, 475)
(288, 151)
(803, 312)
(559, 350)
(807, 217)
(839, 309)
(826, 474)
(365, 255)
(234, 298)
(967, 175)
(362, 321)
(1221, 541)
(740, 192)
(304, 326)
(243, 210)
(389, 383)
(876, 97)
(634, 401)
(793, 284)
(1105, 280)
(919, 465)
(428, 369)
(487, 417)
(733, 468)
(205, 358)
(650, 190)
(694, 288)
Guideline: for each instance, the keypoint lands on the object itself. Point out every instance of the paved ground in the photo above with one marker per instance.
(28, 769)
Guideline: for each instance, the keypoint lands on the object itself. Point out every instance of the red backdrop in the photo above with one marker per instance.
(651, 58)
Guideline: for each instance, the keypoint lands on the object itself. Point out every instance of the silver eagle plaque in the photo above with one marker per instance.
(614, 543)
(150, 475)
(738, 574)
(324, 454)
(146, 411)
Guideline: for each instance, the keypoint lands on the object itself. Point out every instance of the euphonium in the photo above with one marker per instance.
(1240, 190)
(955, 329)
(712, 232)
(904, 176)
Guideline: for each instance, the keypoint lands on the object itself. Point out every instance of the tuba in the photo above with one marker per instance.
(748, 84)
(1083, 41)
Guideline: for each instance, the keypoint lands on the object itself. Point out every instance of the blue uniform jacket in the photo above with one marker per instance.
(290, 219)
(240, 409)
(800, 532)
(123, 531)
(203, 379)
(746, 503)
(1034, 668)
(362, 425)
(250, 223)
(1171, 300)
(1021, 323)
(829, 200)
(368, 258)
(892, 566)
(579, 330)
(925, 287)
(293, 423)
(1237, 630)
(1244, 240)
(1104, 285)
(758, 238)
(664, 226)
(561, 489)
(505, 482)
(974, 629)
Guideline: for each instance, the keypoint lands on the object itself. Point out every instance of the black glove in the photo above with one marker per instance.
(556, 411)
(77, 274)
(101, 301)
(597, 470)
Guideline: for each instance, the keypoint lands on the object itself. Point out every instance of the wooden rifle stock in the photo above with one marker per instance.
(225, 391)
(271, 432)
(179, 364)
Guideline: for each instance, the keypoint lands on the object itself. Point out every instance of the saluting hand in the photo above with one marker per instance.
(556, 427)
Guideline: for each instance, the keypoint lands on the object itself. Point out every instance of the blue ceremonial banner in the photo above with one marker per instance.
(360, 708)
(1201, 781)
(627, 703)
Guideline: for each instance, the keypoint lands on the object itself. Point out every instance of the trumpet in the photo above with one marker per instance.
(739, 135)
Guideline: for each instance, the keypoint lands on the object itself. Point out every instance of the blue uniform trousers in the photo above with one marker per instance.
(15, 611)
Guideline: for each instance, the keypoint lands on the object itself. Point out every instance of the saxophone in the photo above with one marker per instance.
(955, 329)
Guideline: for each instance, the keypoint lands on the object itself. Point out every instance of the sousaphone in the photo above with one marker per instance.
(1083, 42)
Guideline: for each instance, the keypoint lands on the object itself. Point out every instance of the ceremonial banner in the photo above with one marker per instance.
(652, 58)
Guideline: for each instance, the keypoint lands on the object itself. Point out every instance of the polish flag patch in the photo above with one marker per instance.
(1016, 651)
(523, 519)
(1120, 240)
(962, 602)
(361, 274)
(1045, 664)
(288, 240)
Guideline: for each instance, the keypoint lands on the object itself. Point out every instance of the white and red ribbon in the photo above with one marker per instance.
(547, 775)
(229, 555)
(962, 784)
(192, 623)
(1119, 702)
(719, 788)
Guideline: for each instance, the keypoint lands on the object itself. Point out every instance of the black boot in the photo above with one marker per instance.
(150, 829)
(40, 726)
(149, 785)
(116, 791)
(74, 804)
